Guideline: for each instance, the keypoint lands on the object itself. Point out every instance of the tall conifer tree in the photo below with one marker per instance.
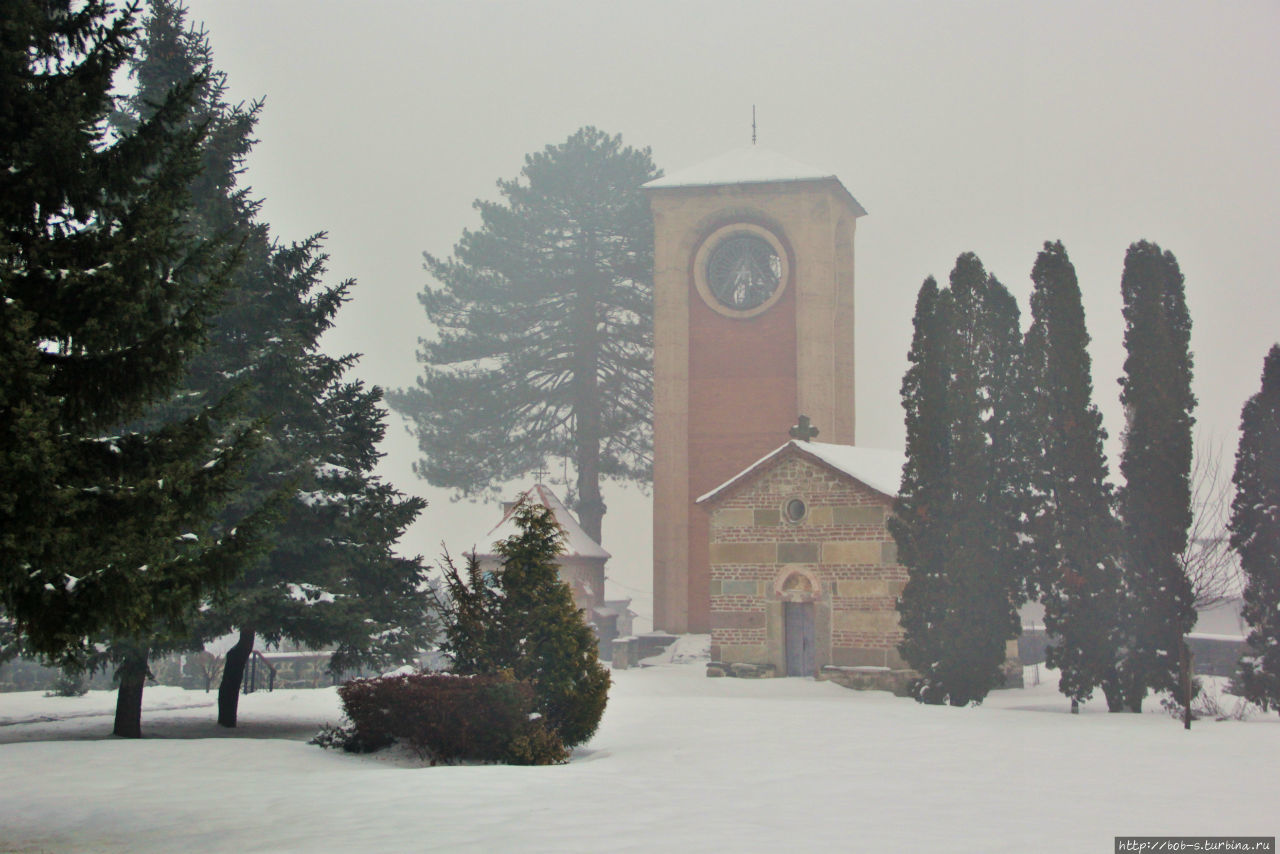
(106, 292)
(328, 576)
(544, 330)
(1073, 531)
(1255, 535)
(1155, 503)
(964, 560)
(922, 508)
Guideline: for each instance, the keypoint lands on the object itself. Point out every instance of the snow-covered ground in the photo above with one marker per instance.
(681, 763)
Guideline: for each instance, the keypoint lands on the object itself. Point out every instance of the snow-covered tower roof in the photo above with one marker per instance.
(577, 542)
(748, 165)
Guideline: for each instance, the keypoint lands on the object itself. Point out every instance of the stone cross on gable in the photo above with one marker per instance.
(804, 431)
(540, 475)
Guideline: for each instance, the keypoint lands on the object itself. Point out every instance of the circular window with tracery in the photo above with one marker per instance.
(743, 271)
(740, 270)
(795, 510)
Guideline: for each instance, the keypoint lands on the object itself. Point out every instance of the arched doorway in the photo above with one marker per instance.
(799, 590)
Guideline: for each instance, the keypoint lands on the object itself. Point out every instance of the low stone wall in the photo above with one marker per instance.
(741, 670)
(869, 678)
(630, 651)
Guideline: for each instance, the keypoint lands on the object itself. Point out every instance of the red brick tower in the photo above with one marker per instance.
(753, 325)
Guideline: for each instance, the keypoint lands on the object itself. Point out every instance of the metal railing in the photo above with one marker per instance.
(258, 674)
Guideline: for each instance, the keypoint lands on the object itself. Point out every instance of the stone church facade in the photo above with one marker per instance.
(804, 572)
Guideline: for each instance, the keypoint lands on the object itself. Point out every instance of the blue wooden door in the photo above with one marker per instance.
(797, 618)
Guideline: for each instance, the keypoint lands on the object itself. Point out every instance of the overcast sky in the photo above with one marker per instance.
(987, 127)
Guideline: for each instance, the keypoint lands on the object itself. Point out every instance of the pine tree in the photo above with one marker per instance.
(1255, 535)
(522, 618)
(1155, 503)
(1073, 530)
(964, 482)
(544, 320)
(107, 289)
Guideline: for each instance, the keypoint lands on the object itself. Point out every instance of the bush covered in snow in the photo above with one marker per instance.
(447, 718)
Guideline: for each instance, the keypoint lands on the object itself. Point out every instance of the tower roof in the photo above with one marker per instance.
(577, 542)
(748, 165)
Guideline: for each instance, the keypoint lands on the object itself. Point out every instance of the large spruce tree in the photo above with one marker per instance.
(1073, 531)
(327, 576)
(543, 330)
(106, 287)
(1255, 535)
(1155, 502)
(964, 482)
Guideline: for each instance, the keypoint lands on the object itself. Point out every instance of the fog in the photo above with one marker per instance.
(987, 127)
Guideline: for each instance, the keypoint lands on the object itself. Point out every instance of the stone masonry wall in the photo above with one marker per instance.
(840, 556)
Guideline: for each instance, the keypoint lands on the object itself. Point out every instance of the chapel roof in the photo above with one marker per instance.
(750, 164)
(577, 542)
(879, 469)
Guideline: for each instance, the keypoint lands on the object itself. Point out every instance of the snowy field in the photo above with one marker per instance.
(681, 763)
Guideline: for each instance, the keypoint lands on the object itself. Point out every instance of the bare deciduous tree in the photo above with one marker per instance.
(1208, 560)
(209, 666)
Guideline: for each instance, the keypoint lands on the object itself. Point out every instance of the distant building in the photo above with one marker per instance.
(581, 564)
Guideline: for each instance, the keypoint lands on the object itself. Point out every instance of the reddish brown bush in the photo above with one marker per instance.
(446, 718)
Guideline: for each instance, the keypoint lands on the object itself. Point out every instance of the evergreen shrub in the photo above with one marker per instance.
(522, 619)
(447, 718)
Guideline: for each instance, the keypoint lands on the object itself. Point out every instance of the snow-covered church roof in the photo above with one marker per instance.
(577, 542)
(748, 165)
(879, 469)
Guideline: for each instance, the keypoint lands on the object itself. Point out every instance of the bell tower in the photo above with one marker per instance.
(753, 325)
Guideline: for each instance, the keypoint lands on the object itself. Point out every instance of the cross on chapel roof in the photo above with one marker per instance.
(804, 431)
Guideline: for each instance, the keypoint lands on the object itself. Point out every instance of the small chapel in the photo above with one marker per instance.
(581, 563)
(804, 572)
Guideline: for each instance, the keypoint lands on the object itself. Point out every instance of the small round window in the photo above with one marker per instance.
(795, 510)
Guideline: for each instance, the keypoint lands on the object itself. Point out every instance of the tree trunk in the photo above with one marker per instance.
(587, 417)
(1115, 700)
(133, 679)
(232, 677)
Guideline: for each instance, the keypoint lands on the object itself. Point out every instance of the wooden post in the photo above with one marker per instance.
(1184, 676)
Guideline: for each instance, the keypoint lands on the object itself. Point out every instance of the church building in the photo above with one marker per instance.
(804, 571)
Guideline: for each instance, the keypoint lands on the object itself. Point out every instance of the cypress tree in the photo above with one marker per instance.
(1155, 503)
(922, 508)
(106, 294)
(544, 330)
(1073, 531)
(522, 618)
(1255, 535)
(965, 562)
